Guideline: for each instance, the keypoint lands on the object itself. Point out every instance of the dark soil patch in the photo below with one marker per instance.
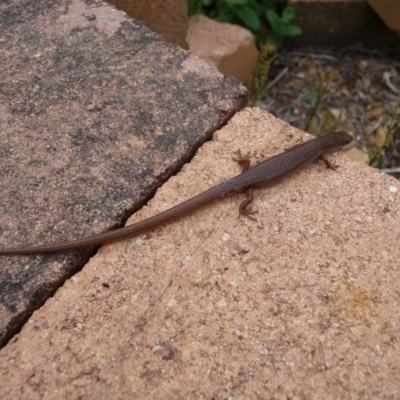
(361, 96)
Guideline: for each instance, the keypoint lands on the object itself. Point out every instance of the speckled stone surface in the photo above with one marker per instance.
(301, 304)
(96, 111)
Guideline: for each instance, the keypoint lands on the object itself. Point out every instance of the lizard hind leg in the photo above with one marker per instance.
(244, 162)
(245, 203)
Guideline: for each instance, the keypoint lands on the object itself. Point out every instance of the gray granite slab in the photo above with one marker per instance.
(96, 112)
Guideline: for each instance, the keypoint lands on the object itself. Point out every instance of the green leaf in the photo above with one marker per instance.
(290, 30)
(378, 161)
(308, 96)
(236, 2)
(249, 17)
(226, 18)
(254, 4)
(288, 14)
(273, 19)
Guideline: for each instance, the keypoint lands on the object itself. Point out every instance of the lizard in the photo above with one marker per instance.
(266, 173)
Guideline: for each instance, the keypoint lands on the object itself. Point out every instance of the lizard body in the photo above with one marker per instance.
(266, 173)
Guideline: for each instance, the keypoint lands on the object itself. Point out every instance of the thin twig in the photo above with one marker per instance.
(277, 78)
(391, 170)
(312, 55)
(386, 78)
